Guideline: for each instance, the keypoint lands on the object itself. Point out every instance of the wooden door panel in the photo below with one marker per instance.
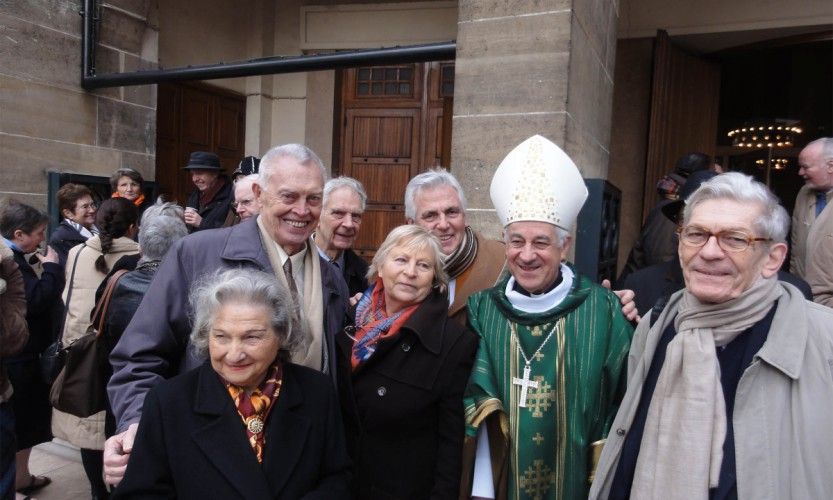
(167, 114)
(230, 124)
(376, 224)
(378, 136)
(192, 118)
(196, 117)
(385, 140)
(384, 182)
(434, 139)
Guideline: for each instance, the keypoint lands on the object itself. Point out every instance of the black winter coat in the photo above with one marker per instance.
(214, 214)
(44, 308)
(63, 238)
(191, 442)
(355, 272)
(403, 408)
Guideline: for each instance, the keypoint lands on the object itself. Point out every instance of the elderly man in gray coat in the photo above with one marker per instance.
(155, 344)
(730, 389)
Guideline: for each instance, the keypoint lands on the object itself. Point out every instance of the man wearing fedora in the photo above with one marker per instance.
(208, 205)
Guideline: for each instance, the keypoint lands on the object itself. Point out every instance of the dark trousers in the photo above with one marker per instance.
(93, 461)
(8, 449)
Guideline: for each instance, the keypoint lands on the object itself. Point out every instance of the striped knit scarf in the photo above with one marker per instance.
(462, 257)
(373, 324)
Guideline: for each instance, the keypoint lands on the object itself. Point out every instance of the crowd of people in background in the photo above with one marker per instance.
(251, 352)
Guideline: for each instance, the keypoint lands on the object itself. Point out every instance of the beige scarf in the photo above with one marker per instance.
(682, 444)
(312, 350)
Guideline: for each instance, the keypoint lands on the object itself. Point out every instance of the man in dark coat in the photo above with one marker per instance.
(209, 204)
(341, 218)
(155, 344)
(656, 243)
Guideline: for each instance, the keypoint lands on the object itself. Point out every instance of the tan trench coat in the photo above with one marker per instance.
(784, 400)
(812, 245)
(85, 432)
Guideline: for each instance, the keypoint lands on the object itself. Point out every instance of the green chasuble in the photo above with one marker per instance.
(581, 375)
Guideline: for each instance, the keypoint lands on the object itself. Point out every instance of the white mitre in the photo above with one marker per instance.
(537, 181)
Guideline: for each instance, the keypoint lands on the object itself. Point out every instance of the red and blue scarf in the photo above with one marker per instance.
(373, 323)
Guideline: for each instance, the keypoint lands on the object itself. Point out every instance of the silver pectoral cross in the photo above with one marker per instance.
(525, 384)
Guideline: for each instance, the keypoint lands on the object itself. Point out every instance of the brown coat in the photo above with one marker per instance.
(14, 331)
(483, 273)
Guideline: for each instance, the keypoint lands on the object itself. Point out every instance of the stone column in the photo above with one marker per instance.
(525, 68)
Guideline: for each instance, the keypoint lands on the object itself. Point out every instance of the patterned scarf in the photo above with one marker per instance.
(373, 323)
(254, 409)
(138, 201)
(462, 257)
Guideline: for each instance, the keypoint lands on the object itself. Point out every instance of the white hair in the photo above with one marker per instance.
(773, 221)
(432, 178)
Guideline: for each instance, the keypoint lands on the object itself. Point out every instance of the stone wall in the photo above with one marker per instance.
(47, 121)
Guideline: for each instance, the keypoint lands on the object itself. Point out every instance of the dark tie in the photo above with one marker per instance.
(293, 288)
(821, 202)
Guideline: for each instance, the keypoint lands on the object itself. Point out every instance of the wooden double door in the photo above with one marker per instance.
(195, 117)
(395, 122)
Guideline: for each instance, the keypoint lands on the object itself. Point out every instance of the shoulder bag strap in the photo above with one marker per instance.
(69, 292)
(100, 313)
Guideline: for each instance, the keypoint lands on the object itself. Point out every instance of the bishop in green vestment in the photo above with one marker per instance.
(551, 366)
(580, 376)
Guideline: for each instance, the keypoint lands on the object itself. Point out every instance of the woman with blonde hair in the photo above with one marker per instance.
(401, 374)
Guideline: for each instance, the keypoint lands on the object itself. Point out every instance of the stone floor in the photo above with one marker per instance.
(62, 463)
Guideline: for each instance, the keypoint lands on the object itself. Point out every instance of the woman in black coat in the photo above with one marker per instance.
(76, 205)
(247, 423)
(402, 372)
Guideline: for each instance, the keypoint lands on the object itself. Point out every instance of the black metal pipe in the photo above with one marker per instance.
(86, 40)
(272, 65)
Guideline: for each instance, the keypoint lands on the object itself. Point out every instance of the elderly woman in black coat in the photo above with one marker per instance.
(402, 372)
(77, 208)
(247, 423)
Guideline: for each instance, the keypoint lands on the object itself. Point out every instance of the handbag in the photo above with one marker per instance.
(80, 387)
(52, 359)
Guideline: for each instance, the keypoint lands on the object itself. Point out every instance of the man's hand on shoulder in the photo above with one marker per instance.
(628, 304)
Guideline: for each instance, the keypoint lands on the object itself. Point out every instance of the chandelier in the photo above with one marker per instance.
(776, 134)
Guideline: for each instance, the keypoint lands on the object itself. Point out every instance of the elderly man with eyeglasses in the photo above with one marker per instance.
(245, 204)
(730, 389)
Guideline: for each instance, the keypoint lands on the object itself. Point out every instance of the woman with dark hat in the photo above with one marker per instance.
(208, 205)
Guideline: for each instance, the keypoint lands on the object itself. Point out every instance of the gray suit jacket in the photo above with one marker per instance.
(155, 344)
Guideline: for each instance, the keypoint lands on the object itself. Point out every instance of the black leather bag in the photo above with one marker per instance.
(52, 359)
(80, 388)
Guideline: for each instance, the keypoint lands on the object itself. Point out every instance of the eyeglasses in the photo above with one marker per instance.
(729, 241)
(341, 214)
(242, 203)
(86, 206)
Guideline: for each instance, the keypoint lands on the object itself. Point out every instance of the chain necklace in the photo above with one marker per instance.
(525, 382)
